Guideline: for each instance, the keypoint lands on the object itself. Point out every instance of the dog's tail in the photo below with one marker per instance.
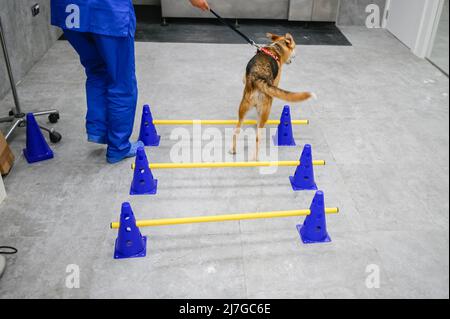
(273, 91)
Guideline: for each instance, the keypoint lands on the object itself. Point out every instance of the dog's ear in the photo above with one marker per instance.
(289, 40)
(273, 37)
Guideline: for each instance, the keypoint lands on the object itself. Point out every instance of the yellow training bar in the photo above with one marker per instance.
(223, 122)
(228, 164)
(224, 218)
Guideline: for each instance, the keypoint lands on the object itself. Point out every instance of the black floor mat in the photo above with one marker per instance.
(149, 29)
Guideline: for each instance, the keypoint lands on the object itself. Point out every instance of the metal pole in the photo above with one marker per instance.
(227, 164)
(8, 68)
(2, 264)
(224, 218)
(16, 124)
(223, 122)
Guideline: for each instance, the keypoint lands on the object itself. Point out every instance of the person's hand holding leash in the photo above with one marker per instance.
(201, 4)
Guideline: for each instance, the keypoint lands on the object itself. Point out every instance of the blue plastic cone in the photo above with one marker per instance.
(143, 181)
(37, 148)
(314, 228)
(304, 174)
(148, 134)
(284, 135)
(129, 243)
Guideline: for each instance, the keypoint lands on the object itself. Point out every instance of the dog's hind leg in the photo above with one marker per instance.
(263, 117)
(243, 109)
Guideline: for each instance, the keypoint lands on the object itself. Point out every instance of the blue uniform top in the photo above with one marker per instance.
(107, 17)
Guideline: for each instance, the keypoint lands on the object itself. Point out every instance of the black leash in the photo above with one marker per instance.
(232, 27)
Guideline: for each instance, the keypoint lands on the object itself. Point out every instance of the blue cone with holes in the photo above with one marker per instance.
(129, 243)
(148, 134)
(314, 228)
(304, 174)
(37, 148)
(143, 181)
(284, 135)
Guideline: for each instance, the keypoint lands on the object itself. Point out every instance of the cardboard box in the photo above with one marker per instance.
(6, 156)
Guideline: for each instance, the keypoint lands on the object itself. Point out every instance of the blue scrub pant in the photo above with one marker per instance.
(111, 88)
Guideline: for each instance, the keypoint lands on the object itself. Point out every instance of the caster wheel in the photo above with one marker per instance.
(53, 118)
(55, 137)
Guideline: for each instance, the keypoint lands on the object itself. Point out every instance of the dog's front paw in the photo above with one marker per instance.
(314, 96)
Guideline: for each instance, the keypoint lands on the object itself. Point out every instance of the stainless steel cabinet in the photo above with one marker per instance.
(301, 10)
(243, 9)
(296, 10)
(313, 10)
(325, 10)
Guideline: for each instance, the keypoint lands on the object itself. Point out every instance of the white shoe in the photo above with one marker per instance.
(2, 264)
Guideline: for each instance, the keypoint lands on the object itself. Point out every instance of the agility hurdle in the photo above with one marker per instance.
(224, 218)
(130, 243)
(222, 122)
(284, 136)
(145, 184)
(228, 164)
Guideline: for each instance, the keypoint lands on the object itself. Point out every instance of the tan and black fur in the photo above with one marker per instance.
(261, 84)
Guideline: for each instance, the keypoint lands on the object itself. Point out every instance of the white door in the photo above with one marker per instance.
(405, 19)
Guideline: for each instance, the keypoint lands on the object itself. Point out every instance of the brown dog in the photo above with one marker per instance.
(261, 84)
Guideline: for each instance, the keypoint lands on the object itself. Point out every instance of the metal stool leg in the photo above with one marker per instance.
(2, 264)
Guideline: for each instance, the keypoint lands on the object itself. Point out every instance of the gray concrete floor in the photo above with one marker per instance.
(381, 122)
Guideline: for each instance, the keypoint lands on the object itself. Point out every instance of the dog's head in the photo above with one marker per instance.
(285, 44)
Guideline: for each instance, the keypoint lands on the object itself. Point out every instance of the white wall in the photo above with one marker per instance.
(28, 38)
